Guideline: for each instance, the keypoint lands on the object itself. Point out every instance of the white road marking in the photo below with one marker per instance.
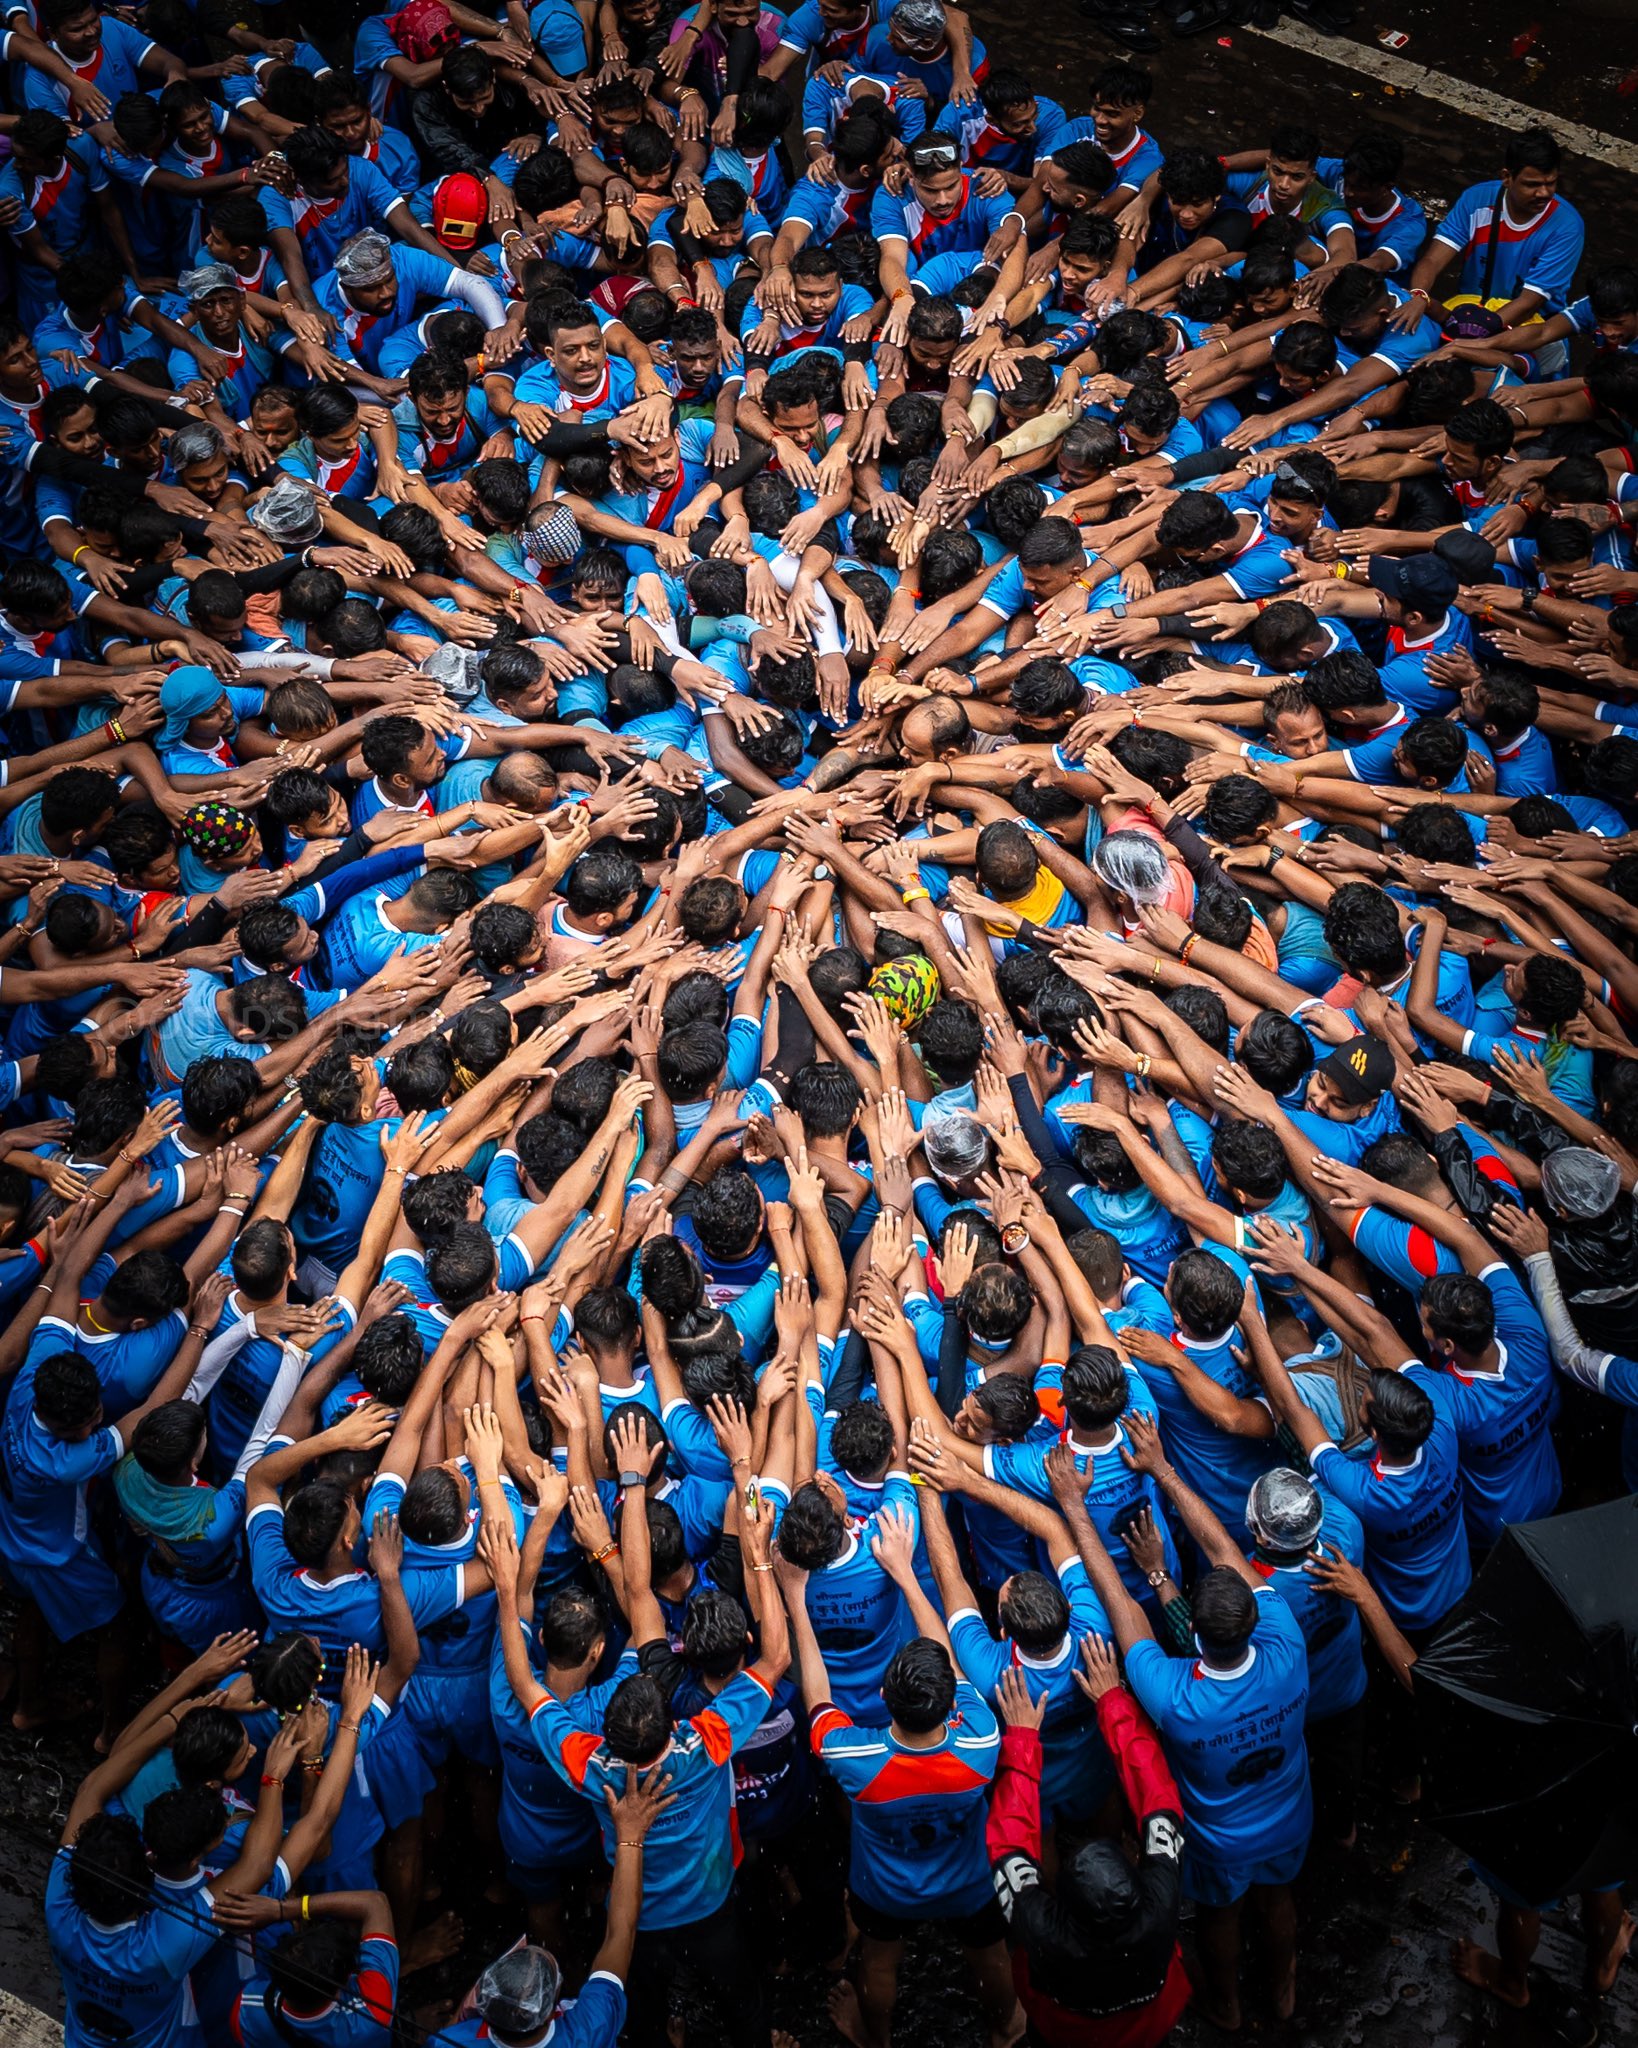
(1420, 79)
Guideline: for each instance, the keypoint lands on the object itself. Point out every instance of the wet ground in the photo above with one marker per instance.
(1375, 1928)
(1581, 54)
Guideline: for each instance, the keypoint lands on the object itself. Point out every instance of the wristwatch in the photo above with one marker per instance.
(630, 1479)
(1014, 1239)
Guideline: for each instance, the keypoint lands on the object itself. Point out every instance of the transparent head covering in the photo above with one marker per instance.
(920, 19)
(1580, 1183)
(366, 259)
(1284, 1511)
(457, 668)
(287, 512)
(1135, 864)
(518, 1991)
(954, 1142)
(208, 278)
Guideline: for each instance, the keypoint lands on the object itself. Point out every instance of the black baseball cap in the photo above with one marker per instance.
(1359, 1070)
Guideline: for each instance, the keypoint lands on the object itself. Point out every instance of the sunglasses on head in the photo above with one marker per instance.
(934, 156)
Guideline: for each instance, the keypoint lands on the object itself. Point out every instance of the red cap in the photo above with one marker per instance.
(460, 207)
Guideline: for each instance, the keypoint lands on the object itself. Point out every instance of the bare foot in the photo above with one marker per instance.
(847, 2015)
(1285, 1992)
(1226, 2018)
(434, 1943)
(675, 2031)
(1477, 1966)
(1609, 1963)
(781, 2039)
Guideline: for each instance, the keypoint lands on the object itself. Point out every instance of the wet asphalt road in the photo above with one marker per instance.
(1580, 55)
(1376, 1924)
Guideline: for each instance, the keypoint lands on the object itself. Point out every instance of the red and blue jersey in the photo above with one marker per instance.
(969, 224)
(358, 2017)
(918, 1814)
(1538, 255)
(693, 1848)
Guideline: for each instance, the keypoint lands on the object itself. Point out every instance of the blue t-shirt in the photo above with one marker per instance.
(918, 1814)
(1234, 1739)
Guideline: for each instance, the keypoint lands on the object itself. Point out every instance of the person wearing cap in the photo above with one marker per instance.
(216, 307)
(201, 716)
(1230, 1723)
(934, 44)
(1347, 1104)
(1295, 1524)
(1407, 1493)
(375, 286)
(516, 2000)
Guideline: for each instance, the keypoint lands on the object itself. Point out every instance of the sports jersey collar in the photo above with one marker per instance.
(329, 1585)
(1395, 1471)
(1204, 1670)
(1487, 1379)
(1079, 1450)
(1056, 1662)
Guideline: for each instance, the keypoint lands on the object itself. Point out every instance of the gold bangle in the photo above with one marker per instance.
(1145, 1061)
(1154, 972)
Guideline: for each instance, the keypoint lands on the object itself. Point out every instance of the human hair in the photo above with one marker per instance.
(1248, 1158)
(1193, 522)
(811, 1533)
(1034, 1611)
(1482, 426)
(1362, 930)
(462, 1267)
(1532, 148)
(1399, 1414)
(572, 1626)
(1189, 177)
(862, 1440)
(637, 1721)
(919, 1688)
(109, 1874)
(951, 1039)
(1223, 1611)
(1237, 807)
(1095, 1386)
(996, 1303)
(314, 1517)
(1435, 749)
(1205, 1294)
(76, 797)
(600, 881)
(180, 1824)
(1275, 1051)
(389, 1357)
(728, 1213)
(827, 1098)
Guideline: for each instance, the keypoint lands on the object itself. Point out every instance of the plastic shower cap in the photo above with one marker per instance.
(1135, 864)
(1580, 1183)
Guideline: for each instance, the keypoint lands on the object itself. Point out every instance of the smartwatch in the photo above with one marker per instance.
(630, 1479)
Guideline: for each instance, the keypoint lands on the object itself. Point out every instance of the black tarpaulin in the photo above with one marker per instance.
(1528, 1702)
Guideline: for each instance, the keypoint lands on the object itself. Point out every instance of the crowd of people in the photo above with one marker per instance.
(819, 917)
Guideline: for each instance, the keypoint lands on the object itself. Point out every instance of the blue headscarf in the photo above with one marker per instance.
(186, 694)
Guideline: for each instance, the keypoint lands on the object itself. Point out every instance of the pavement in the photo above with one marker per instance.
(1224, 92)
